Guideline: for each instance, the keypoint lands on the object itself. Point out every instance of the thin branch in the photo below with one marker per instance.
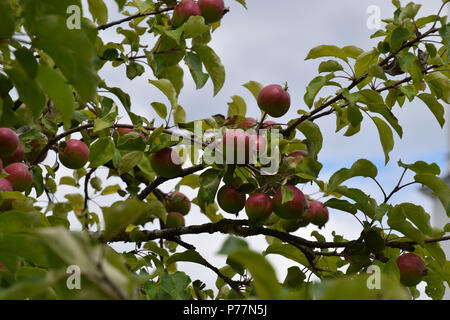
(138, 15)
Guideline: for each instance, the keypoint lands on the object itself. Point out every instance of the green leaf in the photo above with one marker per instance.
(352, 51)
(254, 87)
(376, 71)
(134, 70)
(237, 107)
(330, 66)
(27, 61)
(195, 65)
(364, 60)
(342, 205)
(397, 220)
(170, 287)
(7, 21)
(110, 190)
(398, 36)
(16, 221)
(438, 186)
(212, 64)
(29, 90)
(179, 115)
(101, 151)
(168, 89)
(288, 251)
(123, 213)
(314, 87)
(98, 10)
(286, 194)
(361, 168)
(326, 51)
(439, 85)
(186, 256)
(156, 209)
(243, 3)
(160, 109)
(195, 27)
(435, 107)
(209, 183)
(444, 32)
(421, 167)
(130, 160)
(175, 74)
(59, 92)
(313, 135)
(386, 137)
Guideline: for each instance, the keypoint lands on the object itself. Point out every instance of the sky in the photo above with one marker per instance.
(268, 43)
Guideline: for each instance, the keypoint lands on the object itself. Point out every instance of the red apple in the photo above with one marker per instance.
(8, 142)
(290, 210)
(268, 124)
(236, 145)
(230, 200)
(178, 202)
(174, 219)
(19, 176)
(316, 213)
(274, 100)
(412, 269)
(124, 131)
(17, 156)
(258, 207)
(298, 155)
(258, 143)
(166, 163)
(73, 154)
(5, 186)
(184, 10)
(212, 10)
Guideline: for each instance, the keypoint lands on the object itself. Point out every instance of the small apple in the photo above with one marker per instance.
(166, 163)
(236, 146)
(290, 210)
(230, 200)
(19, 176)
(258, 207)
(174, 220)
(212, 10)
(316, 213)
(8, 142)
(298, 155)
(412, 269)
(124, 131)
(184, 10)
(274, 100)
(178, 202)
(17, 156)
(73, 153)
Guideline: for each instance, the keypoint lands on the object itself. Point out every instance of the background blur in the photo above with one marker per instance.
(268, 43)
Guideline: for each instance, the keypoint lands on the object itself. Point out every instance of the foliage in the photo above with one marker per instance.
(50, 90)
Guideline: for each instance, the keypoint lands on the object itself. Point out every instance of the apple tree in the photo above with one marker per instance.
(60, 125)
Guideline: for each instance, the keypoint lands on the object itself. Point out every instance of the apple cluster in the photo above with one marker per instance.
(211, 10)
(19, 177)
(177, 206)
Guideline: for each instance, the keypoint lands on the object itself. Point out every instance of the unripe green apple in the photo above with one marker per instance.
(73, 154)
(166, 163)
(258, 207)
(184, 10)
(412, 269)
(174, 220)
(316, 213)
(19, 176)
(212, 10)
(178, 202)
(230, 200)
(274, 100)
(236, 146)
(8, 142)
(290, 210)
(16, 156)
